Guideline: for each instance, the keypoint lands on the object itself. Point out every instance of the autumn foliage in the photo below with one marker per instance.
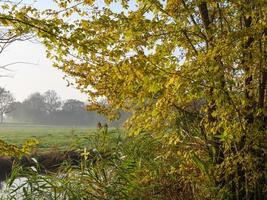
(158, 58)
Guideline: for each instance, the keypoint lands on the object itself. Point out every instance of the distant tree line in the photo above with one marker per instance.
(48, 108)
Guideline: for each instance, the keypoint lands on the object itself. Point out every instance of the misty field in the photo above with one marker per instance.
(48, 136)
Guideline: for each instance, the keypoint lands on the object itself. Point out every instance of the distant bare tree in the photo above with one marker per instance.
(35, 102)
(6, 101)
(52, 101)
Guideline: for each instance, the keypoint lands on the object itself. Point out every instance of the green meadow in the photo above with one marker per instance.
(48, 136)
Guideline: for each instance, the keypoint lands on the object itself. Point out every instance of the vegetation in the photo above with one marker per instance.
(119, 168)
(57, 137)
(194, 75)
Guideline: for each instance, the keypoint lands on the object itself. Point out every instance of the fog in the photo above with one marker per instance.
(48, 108)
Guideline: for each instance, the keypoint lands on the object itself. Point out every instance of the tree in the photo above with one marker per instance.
(19, 112)
(35, 107)
(6, 100)
(52, 101)
(73, 105)
(35, 102)
(73, 113)
(156, 57)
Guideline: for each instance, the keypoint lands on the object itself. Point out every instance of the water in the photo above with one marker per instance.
(18, 184)
(38, 188)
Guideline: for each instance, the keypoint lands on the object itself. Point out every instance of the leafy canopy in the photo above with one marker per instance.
(157, 59)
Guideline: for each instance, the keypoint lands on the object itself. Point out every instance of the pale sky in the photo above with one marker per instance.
(41, 76)
(28, 78)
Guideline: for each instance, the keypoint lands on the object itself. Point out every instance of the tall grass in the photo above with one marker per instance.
(113, 166)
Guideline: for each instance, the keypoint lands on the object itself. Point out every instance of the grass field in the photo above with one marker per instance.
(48, 136)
